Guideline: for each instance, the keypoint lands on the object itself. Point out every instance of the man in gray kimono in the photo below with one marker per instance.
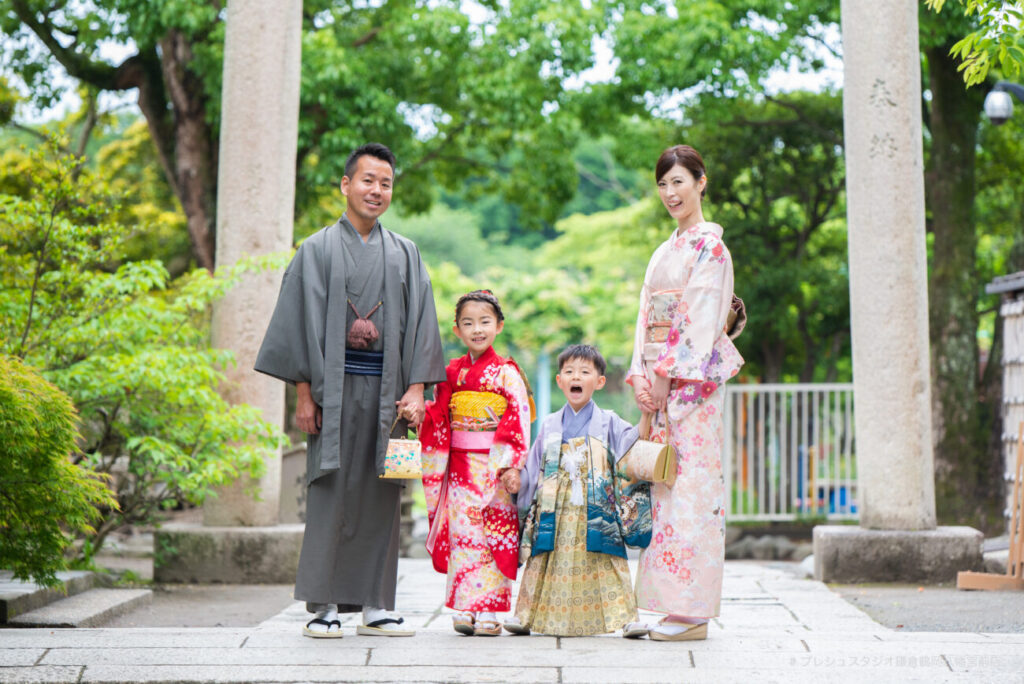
(356, 332)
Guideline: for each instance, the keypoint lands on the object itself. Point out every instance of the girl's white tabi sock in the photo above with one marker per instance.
(490, 617)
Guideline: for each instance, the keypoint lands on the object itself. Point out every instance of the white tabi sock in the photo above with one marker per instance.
(330, 614)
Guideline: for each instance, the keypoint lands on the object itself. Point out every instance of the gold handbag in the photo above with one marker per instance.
(402, 458)
(648, 460)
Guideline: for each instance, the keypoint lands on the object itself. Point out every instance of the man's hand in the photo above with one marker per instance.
(510, 480)
(411, 406)
(308, 416)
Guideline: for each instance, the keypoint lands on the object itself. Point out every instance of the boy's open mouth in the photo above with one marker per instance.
(575, 389)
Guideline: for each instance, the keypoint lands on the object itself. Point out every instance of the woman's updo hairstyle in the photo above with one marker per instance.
(484, 296)
(684, 156)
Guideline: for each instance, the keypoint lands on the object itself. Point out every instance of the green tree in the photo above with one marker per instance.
(128, 348)
(45, 499)
(997, 41)
(455, 99)
(777, 186)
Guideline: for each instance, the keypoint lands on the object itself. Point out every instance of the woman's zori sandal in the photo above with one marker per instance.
(464, 623)
(333, 630)
(678, 631)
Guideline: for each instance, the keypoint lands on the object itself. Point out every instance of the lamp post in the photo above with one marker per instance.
(999, 104)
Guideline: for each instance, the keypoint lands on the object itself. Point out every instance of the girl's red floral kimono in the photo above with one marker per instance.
(477, 426)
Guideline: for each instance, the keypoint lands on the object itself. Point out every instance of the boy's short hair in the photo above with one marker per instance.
(586, 352)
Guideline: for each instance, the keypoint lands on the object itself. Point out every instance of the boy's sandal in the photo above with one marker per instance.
(306, 631)
(634, 630)
(691, 633)
(385, 627)
(513, 626)
(487, 628)
(464, 623)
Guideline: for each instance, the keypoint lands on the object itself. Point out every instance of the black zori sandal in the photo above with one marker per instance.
(380, 628)
(306, 631)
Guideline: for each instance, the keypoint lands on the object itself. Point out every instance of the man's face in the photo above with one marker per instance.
(368, 191)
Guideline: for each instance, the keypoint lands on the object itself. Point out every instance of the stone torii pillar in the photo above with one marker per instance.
(240, 540)
(897, 538)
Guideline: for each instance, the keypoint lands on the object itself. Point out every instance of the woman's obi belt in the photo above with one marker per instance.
(660, 308)
(475, 417)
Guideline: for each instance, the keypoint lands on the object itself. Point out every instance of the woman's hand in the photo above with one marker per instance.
(659, 392)
(642, 394)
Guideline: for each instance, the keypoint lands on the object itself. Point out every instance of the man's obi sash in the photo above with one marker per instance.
(475, 417)
(362, 362)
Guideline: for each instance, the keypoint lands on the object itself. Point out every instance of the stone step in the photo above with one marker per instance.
(92, 608)
(18, 597)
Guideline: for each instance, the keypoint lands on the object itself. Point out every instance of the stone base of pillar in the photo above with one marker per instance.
(232, 555)
(844, 553)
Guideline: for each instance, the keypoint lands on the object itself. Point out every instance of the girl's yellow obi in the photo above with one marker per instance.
(475, 417)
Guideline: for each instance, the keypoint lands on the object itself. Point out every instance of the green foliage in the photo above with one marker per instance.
(128, 347)
(45, 499)
(997, 40)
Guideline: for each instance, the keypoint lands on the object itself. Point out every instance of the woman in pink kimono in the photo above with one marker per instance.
(681, 359)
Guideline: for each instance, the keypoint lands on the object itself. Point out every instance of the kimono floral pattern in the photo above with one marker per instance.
(474, 526)
(680, 334)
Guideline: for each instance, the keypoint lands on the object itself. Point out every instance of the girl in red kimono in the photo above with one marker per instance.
(475, 438)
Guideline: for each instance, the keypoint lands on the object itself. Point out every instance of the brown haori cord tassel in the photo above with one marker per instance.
(363, 332)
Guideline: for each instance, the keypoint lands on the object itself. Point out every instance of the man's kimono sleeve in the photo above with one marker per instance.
(423, 347)
(700, 318)
(292, 349)
(621, 436)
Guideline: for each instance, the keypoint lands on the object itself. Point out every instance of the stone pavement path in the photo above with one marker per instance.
(773, 628)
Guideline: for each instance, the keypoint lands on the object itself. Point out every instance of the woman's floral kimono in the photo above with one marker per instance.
(680, 334)
(477, 426)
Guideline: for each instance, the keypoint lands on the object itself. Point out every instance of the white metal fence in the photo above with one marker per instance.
(790, 452)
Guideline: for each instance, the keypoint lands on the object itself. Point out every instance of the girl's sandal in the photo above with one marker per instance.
(487, 628)
(464, 623)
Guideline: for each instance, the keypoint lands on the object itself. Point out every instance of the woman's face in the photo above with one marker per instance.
(680, 191)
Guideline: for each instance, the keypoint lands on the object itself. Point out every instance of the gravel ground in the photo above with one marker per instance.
(937, 608)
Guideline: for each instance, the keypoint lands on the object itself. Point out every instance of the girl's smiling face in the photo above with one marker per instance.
(477, 327)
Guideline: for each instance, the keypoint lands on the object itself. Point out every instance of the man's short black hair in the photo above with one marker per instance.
(372, 149)
(583, 351)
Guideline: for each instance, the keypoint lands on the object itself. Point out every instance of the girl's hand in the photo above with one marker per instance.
(659, 392)
(642, 394)
(510, 480)
(412, 406)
